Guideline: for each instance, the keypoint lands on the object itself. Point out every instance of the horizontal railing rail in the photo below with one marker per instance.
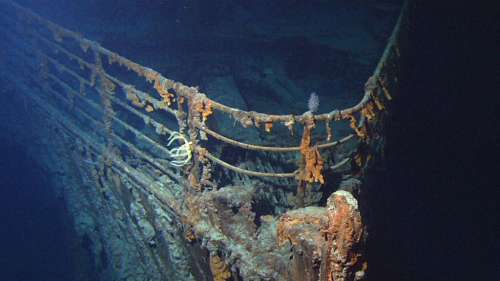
(190, 107)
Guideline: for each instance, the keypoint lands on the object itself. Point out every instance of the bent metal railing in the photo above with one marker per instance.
(118, 137)
(80, 80)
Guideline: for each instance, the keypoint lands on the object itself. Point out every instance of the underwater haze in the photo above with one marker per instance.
(112, 169)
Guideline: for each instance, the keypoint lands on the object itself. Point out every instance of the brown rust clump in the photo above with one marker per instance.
(327, 243)
(312, 164)
(360, 131)
(204, 107)
(220, 270)
(268, 126)
(368, 111)
(167, 97)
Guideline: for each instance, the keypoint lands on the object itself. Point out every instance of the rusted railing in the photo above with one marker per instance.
(126, 130)
(45, 43)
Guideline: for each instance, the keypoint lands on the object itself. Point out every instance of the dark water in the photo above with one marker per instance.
(35, 236)
(432, 207)
(436, 208)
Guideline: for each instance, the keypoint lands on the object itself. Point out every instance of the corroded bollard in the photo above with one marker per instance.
(327, 243)
(344, 259)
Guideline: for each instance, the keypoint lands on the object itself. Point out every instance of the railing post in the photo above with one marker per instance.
(193, 116)
(105, 88)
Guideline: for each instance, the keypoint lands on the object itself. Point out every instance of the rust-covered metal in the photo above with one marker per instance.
(327, 243)
(298, 241)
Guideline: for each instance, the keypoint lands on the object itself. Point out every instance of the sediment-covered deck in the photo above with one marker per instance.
(171, 183)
